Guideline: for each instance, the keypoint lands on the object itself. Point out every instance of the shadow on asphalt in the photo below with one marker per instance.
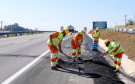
(87, 75)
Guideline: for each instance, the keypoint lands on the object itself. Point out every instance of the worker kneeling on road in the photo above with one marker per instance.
(116, 50)
(96, 36)
(76, 44)
(54, 41)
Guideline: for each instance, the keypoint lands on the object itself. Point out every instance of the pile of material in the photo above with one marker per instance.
(100, 72)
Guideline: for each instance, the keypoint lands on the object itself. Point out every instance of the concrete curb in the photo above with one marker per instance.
(127, 64)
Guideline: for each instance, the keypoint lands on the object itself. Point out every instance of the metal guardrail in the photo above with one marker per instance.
(21, 33)
(124, 30)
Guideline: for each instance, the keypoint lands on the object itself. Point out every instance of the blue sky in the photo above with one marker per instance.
(52, 14)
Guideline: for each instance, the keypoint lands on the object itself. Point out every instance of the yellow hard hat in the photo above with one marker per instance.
(106, 41)
(97, 28)
(81, 32)
(66, 31)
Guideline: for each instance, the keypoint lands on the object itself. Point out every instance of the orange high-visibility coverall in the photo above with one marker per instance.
(53, 51)
(75, 43)
(95, 40)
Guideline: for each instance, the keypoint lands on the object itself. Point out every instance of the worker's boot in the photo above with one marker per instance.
(113, 68)
(116, 71)
(80, 58)
(54, 68)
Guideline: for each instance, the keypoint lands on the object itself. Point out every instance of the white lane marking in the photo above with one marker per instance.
(10, 79)
(21, 41)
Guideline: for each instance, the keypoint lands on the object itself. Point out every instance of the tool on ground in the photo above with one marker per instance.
(63, 53)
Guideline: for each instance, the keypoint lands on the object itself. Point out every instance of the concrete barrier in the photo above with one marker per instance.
(127, 64)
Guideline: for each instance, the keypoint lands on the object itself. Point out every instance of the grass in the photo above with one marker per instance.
(123, 26)
(127, 41)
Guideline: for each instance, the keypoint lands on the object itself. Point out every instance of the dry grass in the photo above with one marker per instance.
(127, 41)
(123, 26)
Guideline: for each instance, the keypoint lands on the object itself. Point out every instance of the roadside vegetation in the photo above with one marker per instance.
(126, 40)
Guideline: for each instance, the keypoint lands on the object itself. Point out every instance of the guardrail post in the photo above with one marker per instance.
(126, 30)
(121, 30)
(118, 29)
(7, 35)
(21, 34)
(132, 31)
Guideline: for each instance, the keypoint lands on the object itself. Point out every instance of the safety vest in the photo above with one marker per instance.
(96, 34)
(57, 40)
(112, 45)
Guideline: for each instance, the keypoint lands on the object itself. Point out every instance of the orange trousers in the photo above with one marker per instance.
(117, 61)
(54, 56)
(75, 50)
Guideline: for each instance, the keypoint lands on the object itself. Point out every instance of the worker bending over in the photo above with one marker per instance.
(76, 44)
(96, 36)
(116, 50)
(54, 41)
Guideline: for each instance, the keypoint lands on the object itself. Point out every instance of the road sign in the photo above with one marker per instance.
(100, 24)
(62, 28)
(85, 29)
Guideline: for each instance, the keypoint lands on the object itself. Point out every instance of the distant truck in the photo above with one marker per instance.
(70, 28)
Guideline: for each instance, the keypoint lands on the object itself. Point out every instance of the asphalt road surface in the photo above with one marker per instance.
(17, 52)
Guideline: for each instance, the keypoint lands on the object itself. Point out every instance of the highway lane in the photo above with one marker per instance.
(16, 52)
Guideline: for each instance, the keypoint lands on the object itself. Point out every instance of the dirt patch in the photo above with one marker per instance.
(127, 41)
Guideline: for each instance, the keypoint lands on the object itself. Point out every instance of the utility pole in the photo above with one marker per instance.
(125, 19)
(1, 24)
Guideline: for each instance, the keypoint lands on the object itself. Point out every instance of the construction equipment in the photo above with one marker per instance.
(94, 48)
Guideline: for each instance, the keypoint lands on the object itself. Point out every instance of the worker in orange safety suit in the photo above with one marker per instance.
(116, 50)
(54, 41)
(76, 44)
(96, 36)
